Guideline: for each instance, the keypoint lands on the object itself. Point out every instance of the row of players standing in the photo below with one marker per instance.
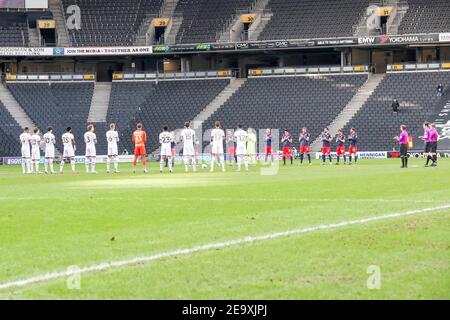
(326, 138)
(244, 146)
(31, 158)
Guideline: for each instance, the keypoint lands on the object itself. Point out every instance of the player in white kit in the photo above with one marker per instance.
(69, 150)
(241, 136)
(113, 153)
(25, 150)
(49, 141)
(217, 138)
(188, 138)
(90, 139)
(165, 139)
(35, 142)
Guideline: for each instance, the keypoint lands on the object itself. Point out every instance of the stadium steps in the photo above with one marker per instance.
(15, 109)
(167, 11)
(233, 32)
(263, 17)
(354, 105)
(100, 102)
(395, 19)
(218, 101)
(361, 28)
(172, 30)
(34, 37)
(236, 27)
(259, 26)
(440, 115)
(168, 8)
(57, 10)
(145, 31)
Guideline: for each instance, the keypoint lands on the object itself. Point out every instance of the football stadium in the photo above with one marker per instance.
(229, 150)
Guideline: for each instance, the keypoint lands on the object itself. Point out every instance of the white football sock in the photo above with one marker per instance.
(29, 167)
(50, 161)
(222, 162)
(24, 166)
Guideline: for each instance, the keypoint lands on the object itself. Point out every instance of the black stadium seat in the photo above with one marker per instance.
(425, 16)
(262, 102)
(58, 105)
(204, 19)
(416, 93)
(304, 19)
(9, 134)
(168, 103)
(288, 102)
(13, 30)
(110, 23)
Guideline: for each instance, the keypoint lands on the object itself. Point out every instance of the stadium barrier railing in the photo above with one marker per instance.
(50, 77)
(123, 76)
(306, 70)
(418, 66)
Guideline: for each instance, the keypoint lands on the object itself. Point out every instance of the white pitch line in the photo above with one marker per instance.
(435, 201)
(215, 245)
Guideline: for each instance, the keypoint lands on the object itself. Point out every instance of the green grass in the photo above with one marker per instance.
(48, 223)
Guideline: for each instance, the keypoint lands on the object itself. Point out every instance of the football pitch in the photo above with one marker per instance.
(370, 231)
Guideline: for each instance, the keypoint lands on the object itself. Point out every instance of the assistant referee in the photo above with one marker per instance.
(403, 141)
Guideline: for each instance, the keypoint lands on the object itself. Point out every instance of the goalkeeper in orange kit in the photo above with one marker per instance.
(139, 139)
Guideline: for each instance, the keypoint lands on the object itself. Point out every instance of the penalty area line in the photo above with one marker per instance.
(215, 245)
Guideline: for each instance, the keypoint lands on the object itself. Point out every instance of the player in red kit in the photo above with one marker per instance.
(353, 148)
(286, 143)
(139, 139)
(340, 149)
(326, 139)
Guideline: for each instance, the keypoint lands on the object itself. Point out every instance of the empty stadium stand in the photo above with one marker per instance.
(9, 133)
(13, 30)
(168, 103)
(125, 101)
(425, 16)
(113, 23)
(288, 102)
(58, 105)
(277, 102)
(117, 23)
(100, 130)
(203, 19)
(416, 93)
(294, 19)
